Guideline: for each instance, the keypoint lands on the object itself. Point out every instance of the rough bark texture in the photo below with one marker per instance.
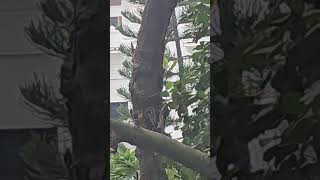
(84, 85)
(146, 84)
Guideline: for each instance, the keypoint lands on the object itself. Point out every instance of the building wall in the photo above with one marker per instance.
(116, 60)
(14, 72)
(116, 80)
(115, 11)
(19, 59)
(14, 15)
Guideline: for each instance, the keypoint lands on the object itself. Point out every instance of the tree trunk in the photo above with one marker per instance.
(147, 79)
(84, 85)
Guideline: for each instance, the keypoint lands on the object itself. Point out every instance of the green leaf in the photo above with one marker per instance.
(165, 62)
(169, 85)
(172, 105)
(172, 173)
(201, 94)
(165, 94)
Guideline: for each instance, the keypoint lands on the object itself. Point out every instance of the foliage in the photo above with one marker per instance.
(269, 53)
(195, 78)
(37, 167)
(197, 15)
(195, 75)
(124, 164)
(192, 88)
(176, 171)
(41, 99)
(266, 77)
(50, 32)
(123, 112)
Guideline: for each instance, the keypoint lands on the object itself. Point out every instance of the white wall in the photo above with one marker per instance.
(116, 80)
(18, 60)
(15, 71)
(115, 11)
(14, 15)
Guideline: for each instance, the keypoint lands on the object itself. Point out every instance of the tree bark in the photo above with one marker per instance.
(146, 84)
(177, 151)
(84, 85)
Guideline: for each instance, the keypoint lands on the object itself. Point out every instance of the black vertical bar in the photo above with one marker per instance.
(211, 86)
(106, 5)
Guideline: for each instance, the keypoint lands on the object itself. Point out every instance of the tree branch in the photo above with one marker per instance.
(166, 146)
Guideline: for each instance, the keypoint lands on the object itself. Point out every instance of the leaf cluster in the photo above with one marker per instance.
(267, 77)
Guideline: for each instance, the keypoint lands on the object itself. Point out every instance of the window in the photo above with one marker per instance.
(115, 2)
(113, 109)
(115, 21)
